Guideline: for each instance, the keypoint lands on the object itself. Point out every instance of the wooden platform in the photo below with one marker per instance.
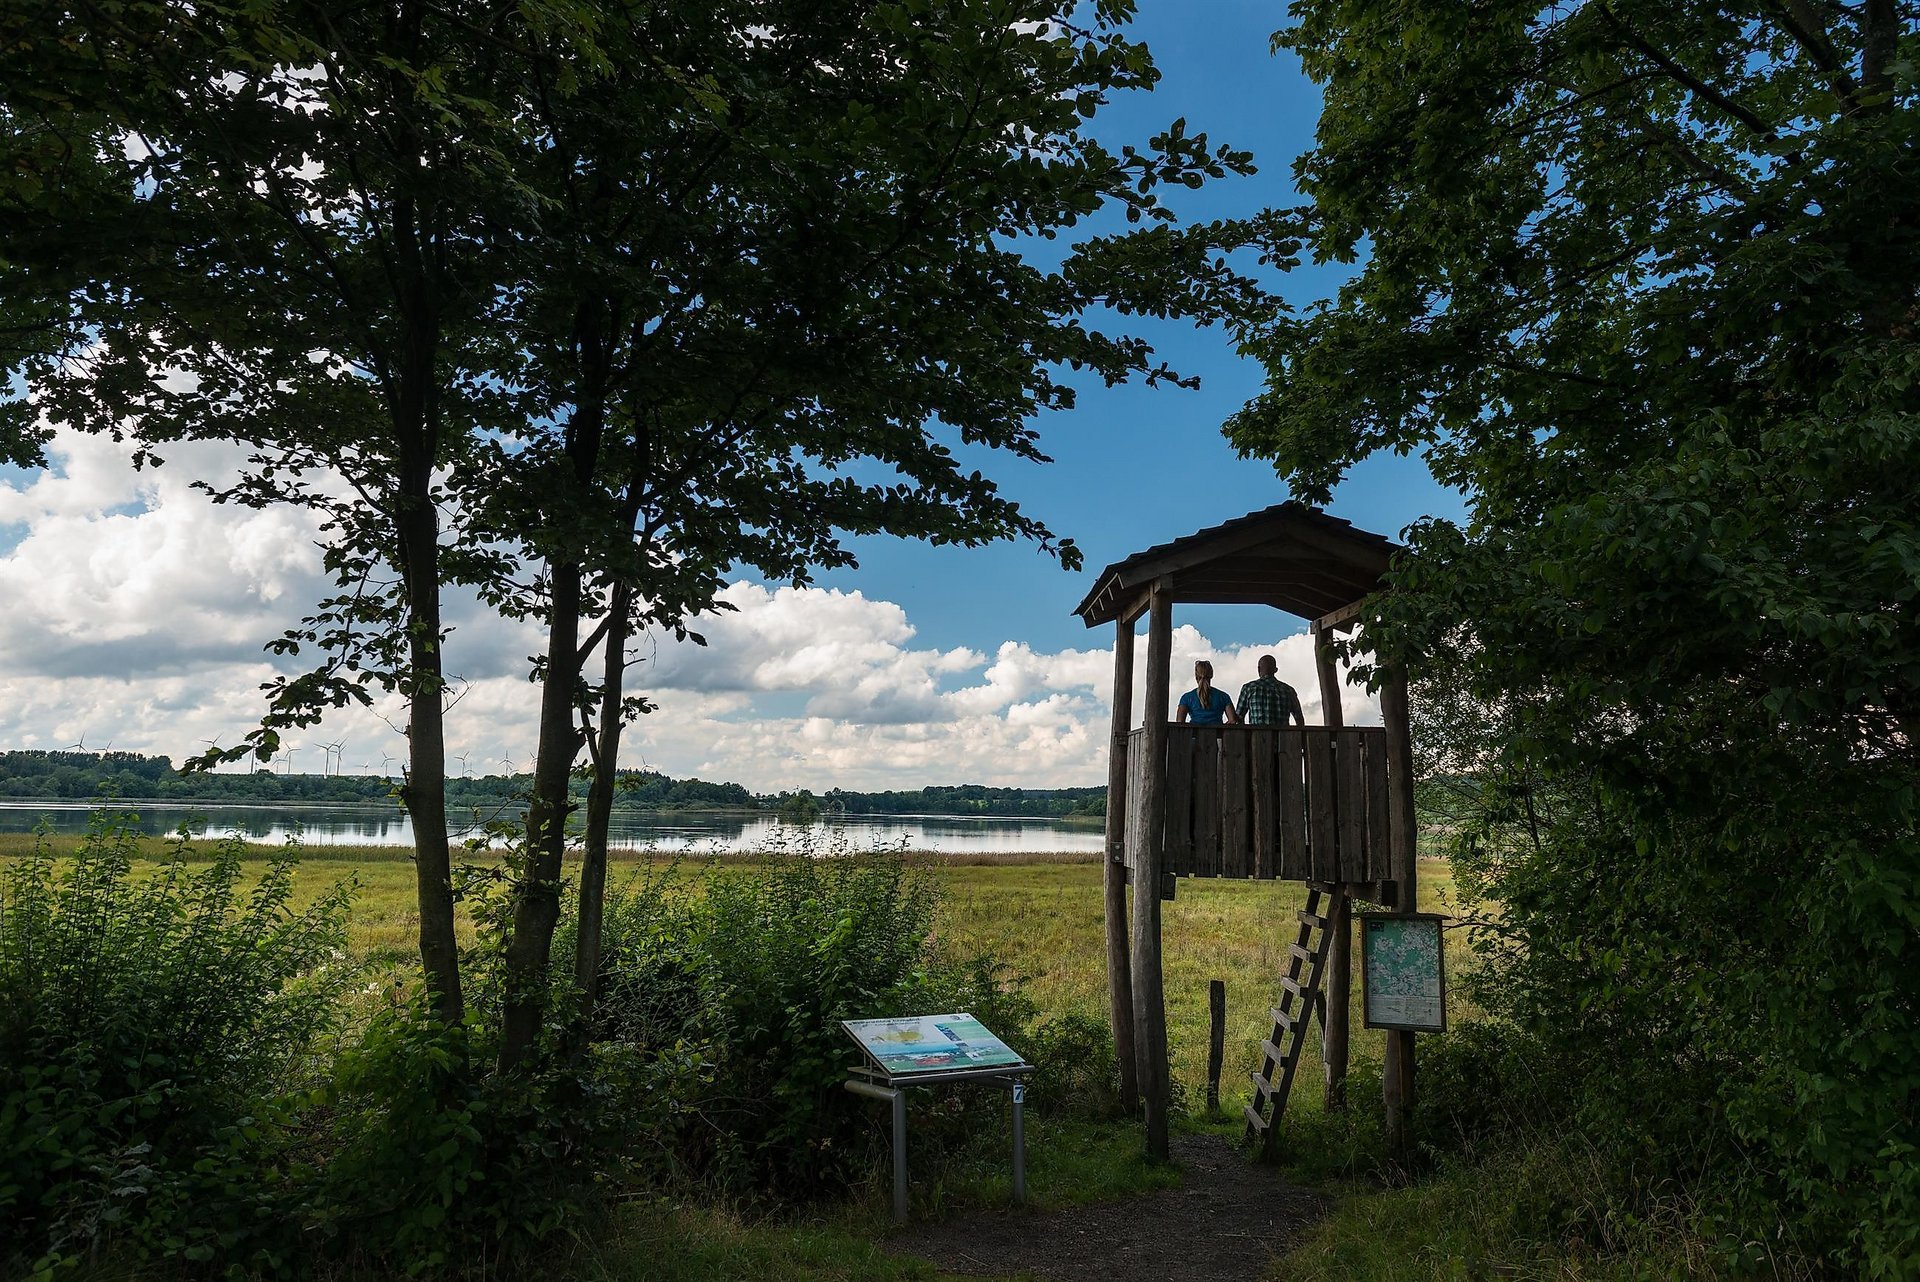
(1301, 804)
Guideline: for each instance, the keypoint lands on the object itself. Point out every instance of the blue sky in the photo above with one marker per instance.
(1135, 466)
(146, 608)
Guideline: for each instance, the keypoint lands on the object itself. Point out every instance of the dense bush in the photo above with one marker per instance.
(152, 1028)
(1076, 1069)
(1710, 1003)
(438, 1163)
(750, 971)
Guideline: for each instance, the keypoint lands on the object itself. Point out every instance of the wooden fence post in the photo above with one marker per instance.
(1149, 995)
(1216, 1039)
(1119, 965)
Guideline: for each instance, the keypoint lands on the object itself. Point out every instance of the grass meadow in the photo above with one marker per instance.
(1041, 916)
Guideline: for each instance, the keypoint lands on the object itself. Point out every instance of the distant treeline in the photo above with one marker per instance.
(968, 799)
(80, 776)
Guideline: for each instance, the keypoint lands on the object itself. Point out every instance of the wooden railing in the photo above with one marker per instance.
(1305, 804)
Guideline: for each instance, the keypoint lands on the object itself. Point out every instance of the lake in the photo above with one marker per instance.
(387, 826)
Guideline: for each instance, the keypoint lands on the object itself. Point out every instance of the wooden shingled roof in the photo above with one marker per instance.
(1290, 556)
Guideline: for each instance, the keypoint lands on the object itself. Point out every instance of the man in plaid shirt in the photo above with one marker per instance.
(1269, 701)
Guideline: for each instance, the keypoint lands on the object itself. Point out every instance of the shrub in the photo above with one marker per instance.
(439, 1163)
(152, 1028)
(749, 972)
(1076, 1071)
(1691, 1022)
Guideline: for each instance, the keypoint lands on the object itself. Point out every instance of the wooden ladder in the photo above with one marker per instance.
(1300, 991)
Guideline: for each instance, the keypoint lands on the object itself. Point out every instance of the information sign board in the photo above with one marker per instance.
(1401, 962)
(929, 1045)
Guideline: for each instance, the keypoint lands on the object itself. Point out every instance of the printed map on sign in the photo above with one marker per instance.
(931, 1044)
(1403, 973)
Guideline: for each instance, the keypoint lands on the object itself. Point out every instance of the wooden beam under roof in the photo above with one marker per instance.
(1345, 617)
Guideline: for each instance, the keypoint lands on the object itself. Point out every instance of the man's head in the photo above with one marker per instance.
(1267, 666)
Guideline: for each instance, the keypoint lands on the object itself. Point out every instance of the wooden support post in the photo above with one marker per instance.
(1397, 1075)
(1336, 1012)
(1329, 671)
(1336, 990)
(1149, 996)
(1216, 1039)
(1119, 964)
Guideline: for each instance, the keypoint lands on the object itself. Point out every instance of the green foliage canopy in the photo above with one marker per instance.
(580, 302)
(1641, 281)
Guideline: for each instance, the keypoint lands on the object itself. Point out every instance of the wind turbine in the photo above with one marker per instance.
(461, 757)
(215, 745)
(386, 764)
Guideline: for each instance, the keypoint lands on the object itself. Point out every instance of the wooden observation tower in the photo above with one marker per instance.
(1329, 805)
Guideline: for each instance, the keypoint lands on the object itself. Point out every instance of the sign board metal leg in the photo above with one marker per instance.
(1019, 1144)
(896, 1096)
(900, 1155)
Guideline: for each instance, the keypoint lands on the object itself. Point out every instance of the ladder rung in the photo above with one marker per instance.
(1274, 1053)
(1262, 1085)
(1306, 955)
(1299, 989)
(1284, 1018)
(1314, 920)
(1255, 1122)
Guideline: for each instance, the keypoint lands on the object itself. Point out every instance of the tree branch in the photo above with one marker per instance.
(1810, 33)
(1880, 33)
(1682, 76)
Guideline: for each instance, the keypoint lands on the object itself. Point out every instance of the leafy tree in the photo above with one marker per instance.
(717, 285)
(1641, 281)
(776, 292)
(276, 224)
(799, 807)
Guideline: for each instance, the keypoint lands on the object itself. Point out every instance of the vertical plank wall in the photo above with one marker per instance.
(1301, 804)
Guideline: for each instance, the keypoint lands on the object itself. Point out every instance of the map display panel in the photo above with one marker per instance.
(930, 1044)
(1402, 959)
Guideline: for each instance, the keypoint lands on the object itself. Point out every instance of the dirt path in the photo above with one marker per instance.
(1222, 1225)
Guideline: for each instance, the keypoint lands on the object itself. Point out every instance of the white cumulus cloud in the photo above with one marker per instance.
(138, 610)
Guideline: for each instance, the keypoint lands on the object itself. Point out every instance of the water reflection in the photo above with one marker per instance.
(382, 826)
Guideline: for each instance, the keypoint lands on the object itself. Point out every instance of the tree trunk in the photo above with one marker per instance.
(593, 859)
(536, 904)
(425, 789)
(417, 524)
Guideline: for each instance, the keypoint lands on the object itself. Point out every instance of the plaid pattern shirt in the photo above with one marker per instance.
(1269, 701)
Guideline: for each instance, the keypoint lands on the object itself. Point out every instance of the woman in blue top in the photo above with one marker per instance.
(1203, 705)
